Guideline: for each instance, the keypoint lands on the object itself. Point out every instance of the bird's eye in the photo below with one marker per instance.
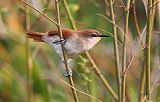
(93, 34)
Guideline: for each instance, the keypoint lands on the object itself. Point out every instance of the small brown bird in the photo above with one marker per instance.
(75, 41)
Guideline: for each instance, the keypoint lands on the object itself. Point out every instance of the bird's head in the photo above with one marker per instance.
(91, 36)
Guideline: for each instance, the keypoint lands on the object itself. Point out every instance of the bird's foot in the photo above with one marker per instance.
(68, 74)
(61, 41)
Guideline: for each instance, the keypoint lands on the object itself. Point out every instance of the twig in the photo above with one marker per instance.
(155, 4)
(120, 29)
(95, 67)
(148, 48)
(127, 68)
(39, 12)
(116, 52)
(123, 86)
(112, 23)
(35, 51)
(80, 91)
(64, 53)
(135, 19)
(119, 18)
(123, 5)
(69, 15)
(39, 17)
(142, 84)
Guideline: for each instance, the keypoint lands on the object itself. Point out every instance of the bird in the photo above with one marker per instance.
(75, 42)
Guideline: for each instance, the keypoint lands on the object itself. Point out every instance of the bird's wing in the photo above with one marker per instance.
(38, 36)
(66, 33)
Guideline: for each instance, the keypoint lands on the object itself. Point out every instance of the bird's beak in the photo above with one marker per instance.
(102, 35)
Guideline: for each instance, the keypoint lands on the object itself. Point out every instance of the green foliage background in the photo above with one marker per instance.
(46, 75)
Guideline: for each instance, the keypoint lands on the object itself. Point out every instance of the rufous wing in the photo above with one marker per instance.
(38, 36)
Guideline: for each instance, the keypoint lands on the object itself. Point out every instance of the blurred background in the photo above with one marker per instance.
(17, 53)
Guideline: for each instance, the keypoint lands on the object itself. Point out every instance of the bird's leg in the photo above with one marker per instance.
(61, 41)
(69, 73)
(70, 66)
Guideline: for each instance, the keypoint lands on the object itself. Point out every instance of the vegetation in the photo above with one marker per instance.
(122, 68)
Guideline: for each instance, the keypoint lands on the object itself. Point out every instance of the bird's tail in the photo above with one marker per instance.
(36, 36)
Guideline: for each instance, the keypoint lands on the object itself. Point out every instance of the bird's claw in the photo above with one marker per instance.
(61, 41)
(68, 74)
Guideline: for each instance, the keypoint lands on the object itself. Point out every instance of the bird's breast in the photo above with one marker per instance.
(74, 45)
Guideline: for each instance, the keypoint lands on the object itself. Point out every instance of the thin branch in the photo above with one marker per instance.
(95, 67)
(148, 48)
(64, 53)
(142, 84)
(35, 51)
(155, 4)
(119, 18)
(116, 51)
(125, 72)
(123, 86)
(39, 12)
(123, 5)
(69, 15)
(112, 23)
(106, 2)
(39, 17)
(90, 96)
(135, 19)
(78, 22)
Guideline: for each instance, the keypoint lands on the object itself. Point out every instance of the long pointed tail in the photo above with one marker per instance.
(36, 36)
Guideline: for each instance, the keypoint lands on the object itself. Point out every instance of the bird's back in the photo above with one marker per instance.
(37, 36)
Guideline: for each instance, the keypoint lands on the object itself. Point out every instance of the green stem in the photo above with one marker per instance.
(123, 86)
(28, 59)
(91, 85)
(95, 67)
(69, 15)
(64, 53)
(142, 84)
(116, 52)
(148, 48)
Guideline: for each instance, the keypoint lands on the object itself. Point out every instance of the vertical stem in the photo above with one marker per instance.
(29, 60)
(142, 84)
(69, 15)
(116, 52)
(64, 54)
(123, 86)
(95, 67)
(91, 85)
(148, 48)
